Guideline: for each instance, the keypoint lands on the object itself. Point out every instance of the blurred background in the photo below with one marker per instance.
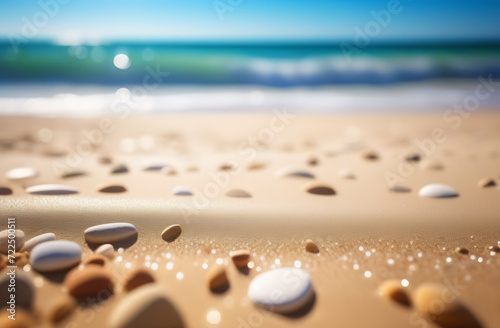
(76, 57)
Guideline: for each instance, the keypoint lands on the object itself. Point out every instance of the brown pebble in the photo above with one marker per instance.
(413, 157)
(23, 320)
(3, 262)
(486, 183)
(317, 189)
(105, 160)
(217, 278)
(393, 290)
(462, 250)
(370, 156)
(171, 233)
(239, 193)
(119, 169)
(311, 247)
(137, 278)
(21, 258)
(168, 170)
(240, 257)
(254, 166)
(89, 281)
(495, 248)
(4, 191)
(95, 259)
(72, 174)
(113, 189)
(313, 161)
(61, 308)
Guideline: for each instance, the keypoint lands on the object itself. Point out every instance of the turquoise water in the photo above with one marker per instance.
(259, 64)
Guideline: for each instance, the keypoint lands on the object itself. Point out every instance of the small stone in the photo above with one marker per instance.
(72, 174)
(61, 308)
(182, 191)
(55, 255)
(313, 161)
(415, 157)
(105, 160)
(239, 193)
(318, 189)
(106, 250)
(4, 240)
(432, 165)
(52, 189)
(240, 257)
(95, 259)
(21, 173)
(137, 278)
(282, 290)
(228, 167)
(437, 190)
(293, 171)
(112, 189)
(254, 166)
(495, 248)
(311, 247)
(462, 250)
(30, 244)
(146, 306)
(392, 289)
(90, 281)
(399, 189)
(154, 165)
(171, 233)
(119, 169)
(21, 258)
(24, 289)
(109, 232)
(23, 320)
(168, 170)
(217, 279)
(486, 183)
(347, 174)
(3, 262)
(5, 191)
(370, 156)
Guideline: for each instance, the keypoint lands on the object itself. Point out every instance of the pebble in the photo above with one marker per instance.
(73, 174)
(254, 166)
(347, 174)
(311, 247)
(3, 262)
(55, 255)
(30, 244)
(23, 320)
(399, 188)
(95, 259)
(61, 308)
(441, 305)
(462, 250)
(105, 160)
(21, 173)
(293, 171)
(21, 258)
(109, 232)
(437, 190)
(4, 240)
(370, 156)
(107, 250)
(137, 278)
(171, 233)
(52, 189)
(318, 189)
(432, 165)
(415, 157)
(217, 278)
(112, 189)
(392, 289)
(281, 290)
(313, 161)
(5, 191)
(168, 170)
(119, 169)
(153, 165)
(240, 257)
(240, 193)
(486, 183)
(182, 191)
(146, 306)
(25, 290)
(90, 281)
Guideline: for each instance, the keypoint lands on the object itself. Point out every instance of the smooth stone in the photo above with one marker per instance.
(55, 255)
(432, 165)
(254, 166)
(313, 161)
(415, 157)
(137, 278)
(30, 244)
(4, 240)
(392, 290)
(106, 250)
(5, 191)
(109, 232)
(105, 160)
(73, 174)
(112, 189)
(21, 173)
(318, 189)
(21, 259)
(311, 247)
(90, 281)
(217, 279)
(399, 188)
(462, 250)
(171, 233)
(437, 190)
(146, 306)
(182, 191)
(293, 171)
(240, 257)
(347, 174)
(168, 170)
(486, 183)
(61, 308)
(240, 193)
(282, 290)
(95, 259)
(154, 165)
(23, 320)
(25, 290)
(119, 169)
(370, 156)
(51, 189)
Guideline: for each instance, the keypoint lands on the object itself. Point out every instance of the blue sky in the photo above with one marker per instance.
(100, 20)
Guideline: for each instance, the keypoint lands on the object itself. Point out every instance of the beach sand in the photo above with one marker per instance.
(365, 233)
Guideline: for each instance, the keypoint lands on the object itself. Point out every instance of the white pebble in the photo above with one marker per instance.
(109, 232)
(21, 173)
(55, 255)
(106, 250)
(30, 244)
(437, 190)
(293, 171)
(51, 189)
(182, 191)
